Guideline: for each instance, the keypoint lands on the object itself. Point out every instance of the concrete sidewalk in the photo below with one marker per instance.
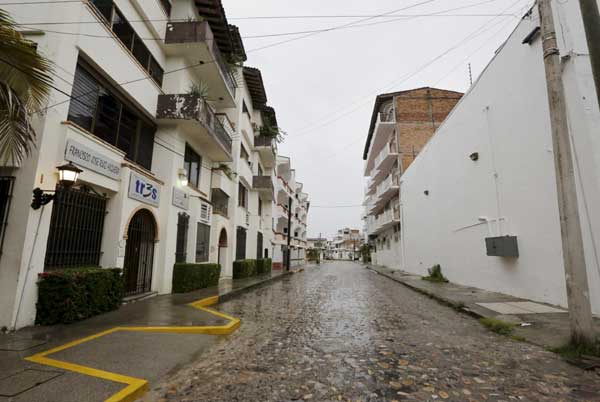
(537, 323)
(105, 352)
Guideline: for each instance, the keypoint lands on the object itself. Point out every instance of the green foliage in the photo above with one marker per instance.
(189, 277)
(227, 171)
(244, 269)
(575, 350)
(313, 254)
(263, 266)
(200, 89)
(25, 79)
(497, 326)
(74, 294)
(435, 275)
(365, 252)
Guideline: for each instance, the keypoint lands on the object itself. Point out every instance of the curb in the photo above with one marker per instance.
(238, 292)
(456, 306)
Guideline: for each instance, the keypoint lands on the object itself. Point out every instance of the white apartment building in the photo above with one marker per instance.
(288, 192)
(480, 199)
(345, 245)
(167, 134)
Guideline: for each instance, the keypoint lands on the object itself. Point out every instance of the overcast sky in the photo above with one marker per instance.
(323, 86)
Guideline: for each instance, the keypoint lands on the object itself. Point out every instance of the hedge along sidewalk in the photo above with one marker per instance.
(549, 330)
(163, 310)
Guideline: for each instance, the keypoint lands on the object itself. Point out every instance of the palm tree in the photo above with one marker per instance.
(25, 82)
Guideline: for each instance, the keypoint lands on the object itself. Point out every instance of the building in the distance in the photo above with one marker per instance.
(345, 245)
(401, 124)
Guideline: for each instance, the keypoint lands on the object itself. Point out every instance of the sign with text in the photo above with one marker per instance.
(87, 158)
(181, 199)
(144, 189)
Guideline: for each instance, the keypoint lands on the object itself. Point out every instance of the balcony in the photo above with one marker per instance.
(264, 186)
(220, 202)
(387, 219)
(193, 114)
(267, 150)
(385, 192)
(194, 40)
(384, 129)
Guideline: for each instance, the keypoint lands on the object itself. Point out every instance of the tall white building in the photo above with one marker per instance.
(480, 198)
(176, 144)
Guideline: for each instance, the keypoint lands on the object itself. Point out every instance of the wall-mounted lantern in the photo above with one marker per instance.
(67, 177)
(183, 179)
(474, 156)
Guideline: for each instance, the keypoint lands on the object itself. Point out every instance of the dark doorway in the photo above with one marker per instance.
(240, 249)
(139, 253)
(259, 245)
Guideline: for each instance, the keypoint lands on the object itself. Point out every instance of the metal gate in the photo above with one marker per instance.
(139, 253)
(76, 226)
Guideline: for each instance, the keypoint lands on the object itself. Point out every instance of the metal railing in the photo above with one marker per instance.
(387, 117)
(223, 66)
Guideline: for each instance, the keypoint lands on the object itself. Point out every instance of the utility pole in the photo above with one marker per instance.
(570, 227)
(289, 237)
(591, 23)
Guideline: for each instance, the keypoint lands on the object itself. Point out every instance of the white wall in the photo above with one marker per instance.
(505, 118)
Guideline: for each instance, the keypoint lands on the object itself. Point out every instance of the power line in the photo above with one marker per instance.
(249, 51)
(311, 128)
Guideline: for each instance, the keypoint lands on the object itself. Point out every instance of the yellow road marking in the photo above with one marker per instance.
(136, 387)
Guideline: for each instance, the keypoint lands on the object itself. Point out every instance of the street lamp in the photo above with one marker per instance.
(67, 177)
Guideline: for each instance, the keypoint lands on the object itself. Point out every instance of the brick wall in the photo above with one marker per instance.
(419, 113)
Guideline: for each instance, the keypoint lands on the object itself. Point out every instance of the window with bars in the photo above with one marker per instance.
(202, 242)
(76, 228)
(126, 34)
(6, 191)
(183, 222)
(242, 196)
(97, 107)
(240, 248)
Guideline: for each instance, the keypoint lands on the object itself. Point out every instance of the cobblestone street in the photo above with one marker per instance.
(341, 332)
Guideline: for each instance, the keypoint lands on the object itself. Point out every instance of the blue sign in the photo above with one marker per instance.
(144, 189)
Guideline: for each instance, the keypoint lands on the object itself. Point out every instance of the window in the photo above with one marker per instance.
(242, 196)
(192, 164)
(259, 207)
(166, 4)
(202, 242)
(97, 107)
(240, 248)
(244, 154)
(125, 33)
(76, 228)
(6, 190)
(183, 221)
(260, 170)
(245, 108)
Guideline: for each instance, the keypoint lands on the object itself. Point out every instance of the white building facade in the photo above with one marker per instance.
(488, 174)
(168, 135)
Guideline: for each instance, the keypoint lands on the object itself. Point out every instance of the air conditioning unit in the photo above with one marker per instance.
(205, 213)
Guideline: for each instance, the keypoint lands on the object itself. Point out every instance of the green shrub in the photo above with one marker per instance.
(244, 269)
(263, 266)
(74, 294)
(497, 326)
(189, 277)
(435, 275)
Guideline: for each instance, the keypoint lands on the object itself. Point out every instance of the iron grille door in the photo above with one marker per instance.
(202, 242)
(76, 227)
(240, 247)
(183, 222)
(6, 190)
(259, 245)
(139, 253)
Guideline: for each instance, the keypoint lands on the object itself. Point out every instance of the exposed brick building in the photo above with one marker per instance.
(401, 124)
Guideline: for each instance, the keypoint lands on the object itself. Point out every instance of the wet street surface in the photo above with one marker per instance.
(339, 332)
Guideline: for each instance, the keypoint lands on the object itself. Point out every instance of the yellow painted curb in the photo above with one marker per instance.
(136, 387)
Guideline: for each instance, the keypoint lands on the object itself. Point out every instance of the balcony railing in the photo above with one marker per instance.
(386, 184)
(186, 32)
(262, 183)
(263, 141)
(193, 107)
(387, 117)
(385, 152)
